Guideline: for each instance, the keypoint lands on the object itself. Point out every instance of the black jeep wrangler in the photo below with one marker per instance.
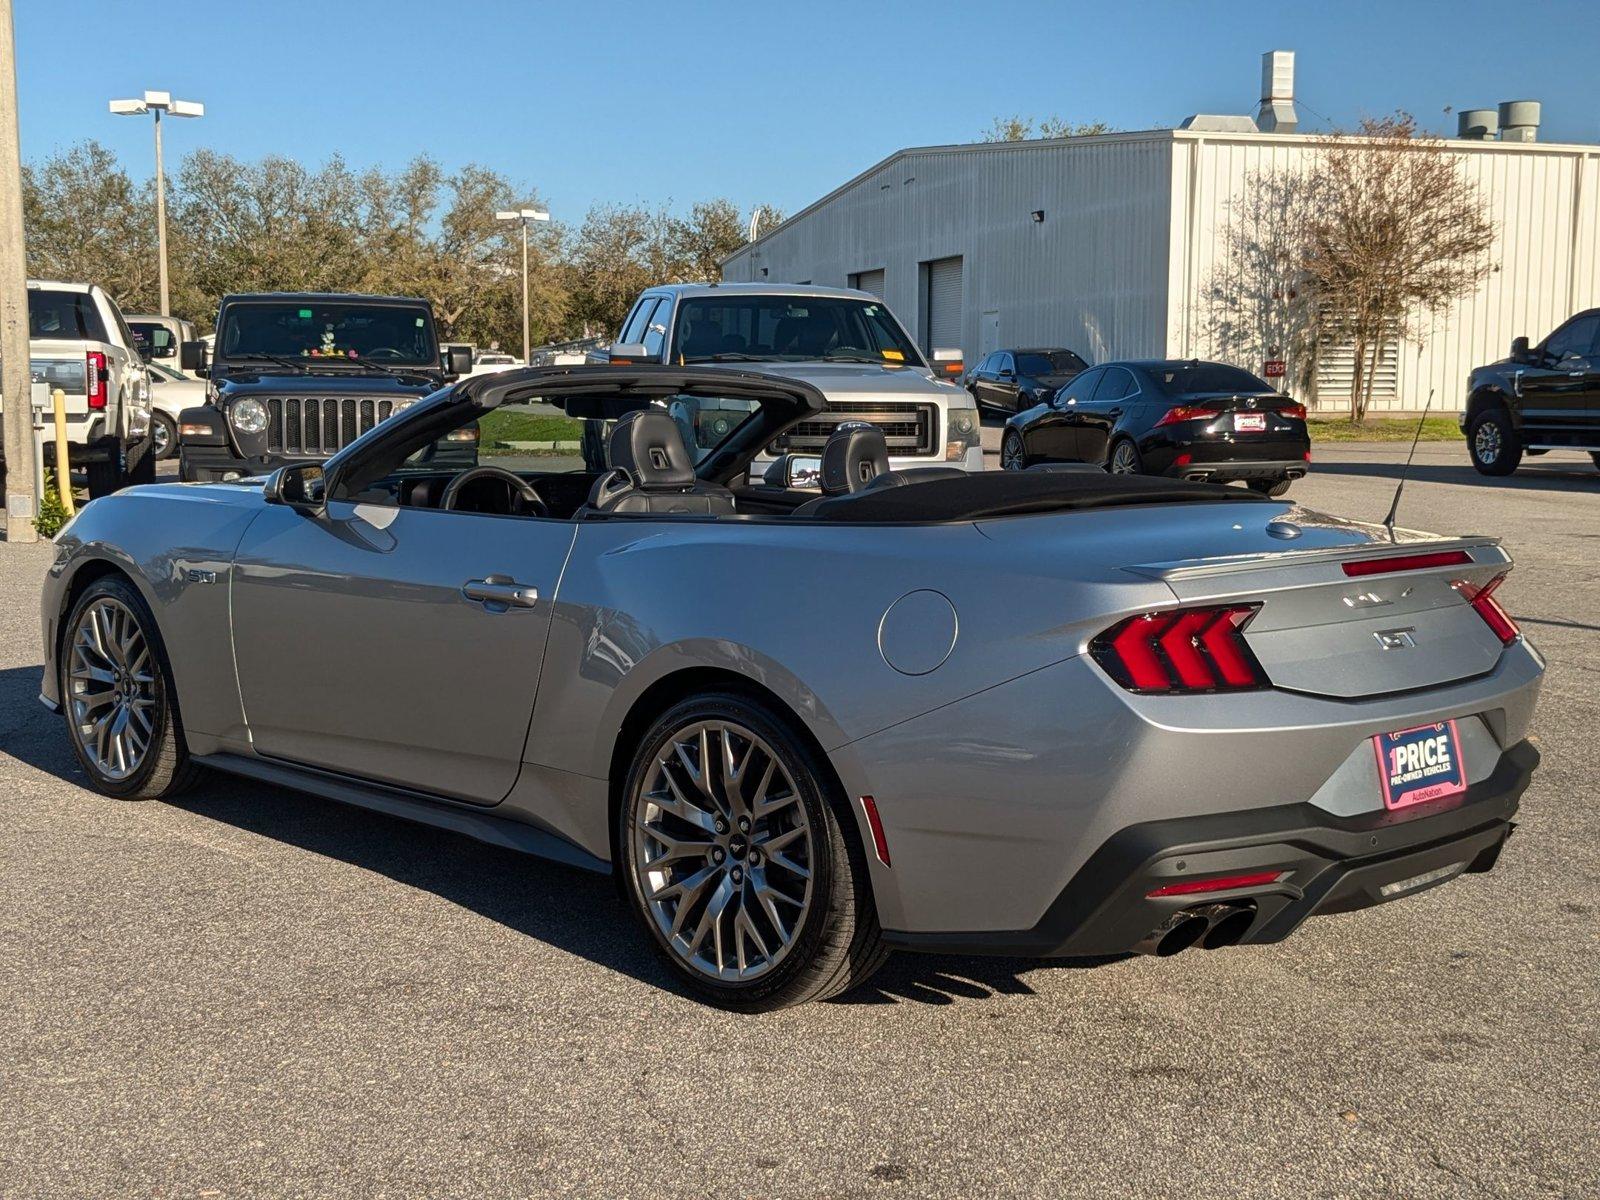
(296, 378)
(1540, 398)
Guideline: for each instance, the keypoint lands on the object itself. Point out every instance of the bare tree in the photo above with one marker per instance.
(1021, 129)
(1397, 233)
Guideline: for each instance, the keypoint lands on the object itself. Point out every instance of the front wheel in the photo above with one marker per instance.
(118, 698)
(163, 436)
(1013, 455)
(737, 859)
(1493, 443)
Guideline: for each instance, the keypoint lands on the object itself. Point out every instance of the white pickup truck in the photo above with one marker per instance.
(79, 342)
(845, 343)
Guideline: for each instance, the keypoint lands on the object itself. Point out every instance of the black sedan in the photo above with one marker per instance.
(1013, 380)
(1183, 418)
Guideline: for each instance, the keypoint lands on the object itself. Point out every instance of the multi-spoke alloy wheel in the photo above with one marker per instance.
(734, 853)
(1124, 459)
(113, 681)
(724, 851)
(116, 694)
(1012, 456)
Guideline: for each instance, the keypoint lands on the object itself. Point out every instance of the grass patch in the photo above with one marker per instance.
(1383, 429)
(503, 425)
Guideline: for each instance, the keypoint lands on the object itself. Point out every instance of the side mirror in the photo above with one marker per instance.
(192, 356)
(300, 486)
(458, 361)
(626, 354)
(947, 363)
(1007, 373)
(794, 471)
(1519, 350)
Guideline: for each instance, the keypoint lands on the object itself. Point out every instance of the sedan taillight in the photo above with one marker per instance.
(1491, 610)
(95, 378)
(1186, 650)
(1187, 412)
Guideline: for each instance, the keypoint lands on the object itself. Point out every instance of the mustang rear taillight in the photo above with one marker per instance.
(1222, 883)
(1491, 610)
(95, 378)
(1186, 412)
(1407, 562)
(1186, 650)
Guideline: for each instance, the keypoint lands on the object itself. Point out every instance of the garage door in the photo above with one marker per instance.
(943, 303)
(869, 281)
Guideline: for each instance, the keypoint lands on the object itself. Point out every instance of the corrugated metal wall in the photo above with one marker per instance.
(1543, 201)
(1091, 275)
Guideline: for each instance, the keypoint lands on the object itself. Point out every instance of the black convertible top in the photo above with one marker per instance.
(1010, 493)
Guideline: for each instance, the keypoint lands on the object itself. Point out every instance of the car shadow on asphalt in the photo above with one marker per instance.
(574, 910)
(1532, 476)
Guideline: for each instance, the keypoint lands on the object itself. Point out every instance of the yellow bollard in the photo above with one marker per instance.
(58, 399)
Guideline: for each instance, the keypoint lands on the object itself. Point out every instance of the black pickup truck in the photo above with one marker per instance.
(297, 377)
(1540, 398)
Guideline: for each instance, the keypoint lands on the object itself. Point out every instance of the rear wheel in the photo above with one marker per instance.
(1493, 442)
(736, 860)
(118, 698)
(1125, 459)
(1268, 487)
(107, 476)
(1013, 455)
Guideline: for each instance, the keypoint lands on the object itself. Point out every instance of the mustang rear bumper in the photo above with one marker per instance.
(1326, 864)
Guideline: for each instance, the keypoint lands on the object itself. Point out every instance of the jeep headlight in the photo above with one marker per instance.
(248, 416)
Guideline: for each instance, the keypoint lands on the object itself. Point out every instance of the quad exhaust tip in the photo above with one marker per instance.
(1210, 926)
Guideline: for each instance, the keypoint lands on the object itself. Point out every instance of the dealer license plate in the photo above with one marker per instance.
(1249, 422)
(1417, 765)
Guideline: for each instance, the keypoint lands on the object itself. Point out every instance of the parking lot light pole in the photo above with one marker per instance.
(523, 217)
(156, 103)
(16, 388)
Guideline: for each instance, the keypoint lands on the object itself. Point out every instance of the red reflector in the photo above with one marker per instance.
(1491, 610)
(1308, 456)
(1188, 650)
(1407, 562)
(1183, 460)
(1223, 883)
(880, 844)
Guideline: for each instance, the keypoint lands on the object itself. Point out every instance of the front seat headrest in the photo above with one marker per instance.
(855, 454)
(649, 446)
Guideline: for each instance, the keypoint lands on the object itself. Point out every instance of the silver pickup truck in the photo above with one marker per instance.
(845, 343)
(79, 342)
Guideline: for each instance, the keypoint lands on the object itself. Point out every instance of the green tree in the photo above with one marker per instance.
(87, 220)
(1021, 129)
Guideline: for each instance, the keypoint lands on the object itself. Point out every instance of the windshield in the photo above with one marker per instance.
(320, 331)
(1049, 362)
(70, 315)
(1188, 379)
(790, 329)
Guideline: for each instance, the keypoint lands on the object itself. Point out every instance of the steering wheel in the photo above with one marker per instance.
(383, 352)
(524, 499)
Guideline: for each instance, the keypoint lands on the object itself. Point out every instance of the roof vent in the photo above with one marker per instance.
(1477, 124)
(1276, 114)
(1519, 120)
(1219, 123)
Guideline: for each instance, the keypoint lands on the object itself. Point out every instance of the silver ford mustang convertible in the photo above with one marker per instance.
(1035, 713)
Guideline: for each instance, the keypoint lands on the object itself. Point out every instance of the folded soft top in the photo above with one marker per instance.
(1010, 493)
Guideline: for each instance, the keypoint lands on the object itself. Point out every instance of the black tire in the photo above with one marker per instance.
(107, 476)
(141, 464)
(1268, 487)
(165, 768)
(1125, 450)
(1013, 452)
(168, 430)
(1493, 443)
(836, 943)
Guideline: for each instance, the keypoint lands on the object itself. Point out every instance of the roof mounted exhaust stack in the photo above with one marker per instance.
(1276, 114)
(1477, 124)
(1519, 120)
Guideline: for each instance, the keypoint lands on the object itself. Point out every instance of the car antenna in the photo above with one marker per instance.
(1394, 506)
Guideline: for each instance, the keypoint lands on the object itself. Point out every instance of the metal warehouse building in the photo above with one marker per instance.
(1106, 244)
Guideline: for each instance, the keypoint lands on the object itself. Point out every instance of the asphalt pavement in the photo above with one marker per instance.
(250, 992)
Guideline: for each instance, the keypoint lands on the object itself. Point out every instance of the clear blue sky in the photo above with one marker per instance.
(759, 102)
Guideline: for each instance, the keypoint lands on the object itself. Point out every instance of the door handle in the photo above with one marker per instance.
(500, 590)
(1115, 412)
